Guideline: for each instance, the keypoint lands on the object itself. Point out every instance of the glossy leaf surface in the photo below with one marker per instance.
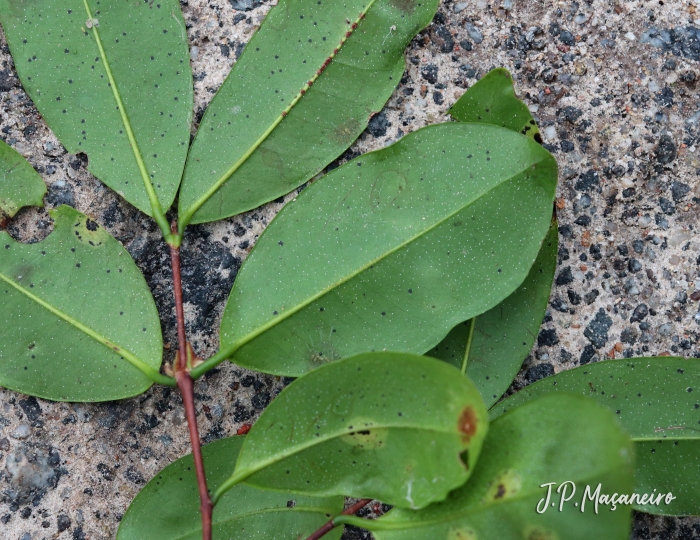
(553, 439)
(492, 100)
(20, 184)
(75, 315)
(392, 249)
(504, 335)
(404, 429)
(246, 153)
(656, 401)
(168, 507)
(78, 59)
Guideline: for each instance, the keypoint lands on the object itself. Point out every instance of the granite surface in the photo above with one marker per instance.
(613, 87)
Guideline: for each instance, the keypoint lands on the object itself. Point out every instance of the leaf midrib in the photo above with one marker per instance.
(109, 344)
(156, 208)
(228, 351)
(309, 509)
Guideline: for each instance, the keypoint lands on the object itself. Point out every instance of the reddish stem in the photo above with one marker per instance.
(329, 526)
(186, 386)
(181, 360)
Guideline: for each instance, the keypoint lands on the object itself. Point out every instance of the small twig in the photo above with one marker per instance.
(185, 383)
(329, 526)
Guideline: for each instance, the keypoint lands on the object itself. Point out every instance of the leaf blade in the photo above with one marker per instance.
(344, 61)
(82, 79)
(505, 334)
(651, 399)
(20, 184)
(243, 513)
(583, 444)
(366, 227)
(76, 299)
(406, 454)
(492, 100)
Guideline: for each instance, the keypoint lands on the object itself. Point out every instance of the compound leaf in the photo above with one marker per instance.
(168, 507)
(503, 336)
(492, 100)
(553, 439)
(656, 401)
(269, 129)
(392, 249)
(404, 429)
(112, 80)
(77, 321)
(20, 184)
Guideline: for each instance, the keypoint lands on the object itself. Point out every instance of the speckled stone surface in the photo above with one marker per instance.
(613, 86)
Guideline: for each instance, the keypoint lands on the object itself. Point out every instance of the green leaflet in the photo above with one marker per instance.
(76, 316)
(492, 100)
(168, 507)
(246, 152)
(656, 401)
(553, 439)
(391, 250)
(20, 184)
(400, 428)
(81, 60)
(504, 335)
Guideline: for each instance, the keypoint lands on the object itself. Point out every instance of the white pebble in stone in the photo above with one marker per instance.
(22, 432)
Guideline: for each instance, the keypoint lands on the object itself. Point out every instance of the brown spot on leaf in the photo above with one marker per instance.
(467, 423)
(407, 6)
(346, 132)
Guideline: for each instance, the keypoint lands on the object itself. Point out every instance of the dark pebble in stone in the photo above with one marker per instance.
(539, 371)
(260, 400)
(225, 50)
(132, 475)
(563, 254)
(437, 98)
(571, 114)
(597, 330)
(566, 231)
(445, 39)
(574, 297)
(665, 97)
(547, 338)
(628, 192)
(622, 250)
(63, 522)
(78, 534)
(588, 180)
(60, 195)
(667, 206)
(31, 408)
(430, 73)
(638, 246)
(639, 313)
(7, 81)
(584, 221)
(566, 146)
(587, 355)
(245, 5)
(567, 38)
(634, 265)
(565, 276)
(378, 124)
(629, 335)
(661, 221)
(666, 150)
(466, 45)
(247, 381)
(679, 190)
(560, 305)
